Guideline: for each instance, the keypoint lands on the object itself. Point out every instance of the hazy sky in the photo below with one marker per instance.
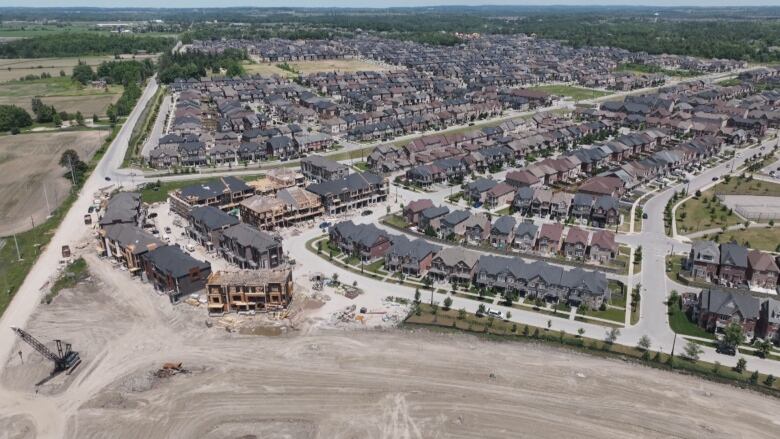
(375, 3)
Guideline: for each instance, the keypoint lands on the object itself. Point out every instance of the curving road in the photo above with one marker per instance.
(70, 231)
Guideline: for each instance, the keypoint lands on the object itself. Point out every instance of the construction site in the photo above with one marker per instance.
(150, 369)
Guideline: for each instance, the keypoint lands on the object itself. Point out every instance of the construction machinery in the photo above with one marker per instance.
(64, 358)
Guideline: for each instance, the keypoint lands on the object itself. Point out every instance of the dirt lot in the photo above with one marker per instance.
(341, 65)
(29, 161)
(337, 384)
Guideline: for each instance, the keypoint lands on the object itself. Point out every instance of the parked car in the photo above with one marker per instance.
(325, 224)
(714, 178)
(366, 212)
(167, 229)
(108, 178)
(495, 313)
(644, 215)
(726, 349)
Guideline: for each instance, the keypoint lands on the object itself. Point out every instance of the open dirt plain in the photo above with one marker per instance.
(27, 162)
(320, 383)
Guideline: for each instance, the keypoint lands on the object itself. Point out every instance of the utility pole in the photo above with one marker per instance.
(18, 253)
(72, 174)
(673, 343)
(48, 207)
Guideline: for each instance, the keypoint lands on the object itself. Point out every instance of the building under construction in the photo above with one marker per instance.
(249, 290)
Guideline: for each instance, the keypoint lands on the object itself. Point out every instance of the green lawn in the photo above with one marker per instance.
(618, 294)
(576, 93)
(729, 82)
(374, 267)
(613, 314)
(680, 324)
(764, 238)
(396, 221)
(747, 186)
(702, 213)
(152, 193)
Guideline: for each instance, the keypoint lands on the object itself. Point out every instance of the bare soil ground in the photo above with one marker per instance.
(337, 384)
(340, 65)
(27, 162)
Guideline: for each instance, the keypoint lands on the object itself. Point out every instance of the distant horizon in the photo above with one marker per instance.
(383, 4)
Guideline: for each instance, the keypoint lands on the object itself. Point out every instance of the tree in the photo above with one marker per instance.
(80, 119)
(57, 119)
(508, 315)
(741, 365)
(770, 380)
(461, 313)
(763, 347)
(95, 118)
(732, 335)
(692, 351)
(612, 335)
(753, 378)
(83, 73)
(12, 117)
(580, 332)
(481, 309)
(417, 295)
(335, 278)
(549, 324)
(447, 302)
(644, 343)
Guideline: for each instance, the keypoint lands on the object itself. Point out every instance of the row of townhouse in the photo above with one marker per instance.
(121, 238)
(733, 265)
(596, 210)
(506, 233)
(715, 309)
(459, 266)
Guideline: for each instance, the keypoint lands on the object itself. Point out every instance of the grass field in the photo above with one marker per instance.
(30, 161)
(702, 213)
(744, 186)
(764, 238)
(266, 69)
(61, 92)
(576, 93)
(13, 69)
(339, 65)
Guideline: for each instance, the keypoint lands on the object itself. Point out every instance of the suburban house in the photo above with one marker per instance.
(503, 232)
(477, 228)
(206, 224)
(248, 247)
(704, 260)
(549, 241)
(525, 237)
(733, 264)
(769, 321)
(718, 308)
(454, 265)
(175, 272)
(762, 271)
(575, 245)
(431, 218)
(499, 195)
(453, 224)
(249, 291)
(414, 210)
(603, 247)
(410, 256)
(365, 241)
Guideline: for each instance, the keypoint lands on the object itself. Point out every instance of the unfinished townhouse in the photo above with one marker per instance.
(249, 291)
(224, 193)
(286, 208)
(250, 248)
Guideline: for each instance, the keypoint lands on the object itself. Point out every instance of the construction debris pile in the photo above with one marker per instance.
(170, 369)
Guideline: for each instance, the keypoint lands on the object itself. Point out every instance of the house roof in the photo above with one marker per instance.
(551, 231)
(352, 182)
(604, 240)
(366, 235)
(248, 236)
(504, 225)
(733, 254)
(173, 261)
(132, 238)
(214, 188)
(123, 207)
(760, 261)
(726, 303)
(417, 206)
(526, 229)
(212, 218)
(575, 235)
(452, 255)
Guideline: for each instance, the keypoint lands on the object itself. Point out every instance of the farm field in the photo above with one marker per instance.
(15, 68)
(62, 92)
(30, 161)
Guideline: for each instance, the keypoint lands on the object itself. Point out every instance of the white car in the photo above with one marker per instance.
(495, 313)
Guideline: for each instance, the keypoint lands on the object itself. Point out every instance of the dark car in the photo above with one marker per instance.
(726, 349)
(325, 225)
(644, 216)
(108, 178)
(714, 178)
(366, 212)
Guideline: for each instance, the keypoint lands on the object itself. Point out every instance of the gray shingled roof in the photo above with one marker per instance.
(212, 218)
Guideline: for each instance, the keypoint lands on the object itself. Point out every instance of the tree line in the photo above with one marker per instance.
(195, 65)
(82, 44)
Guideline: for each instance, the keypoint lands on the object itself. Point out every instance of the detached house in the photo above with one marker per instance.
(410, 257)
(477, 228)
(549, 241)
(575, 245)
(525, 237)
(502, 233)
(704, 260)
(733, 264)
(717, 309)
(762, 271)
(365, 241)
(603, 247)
